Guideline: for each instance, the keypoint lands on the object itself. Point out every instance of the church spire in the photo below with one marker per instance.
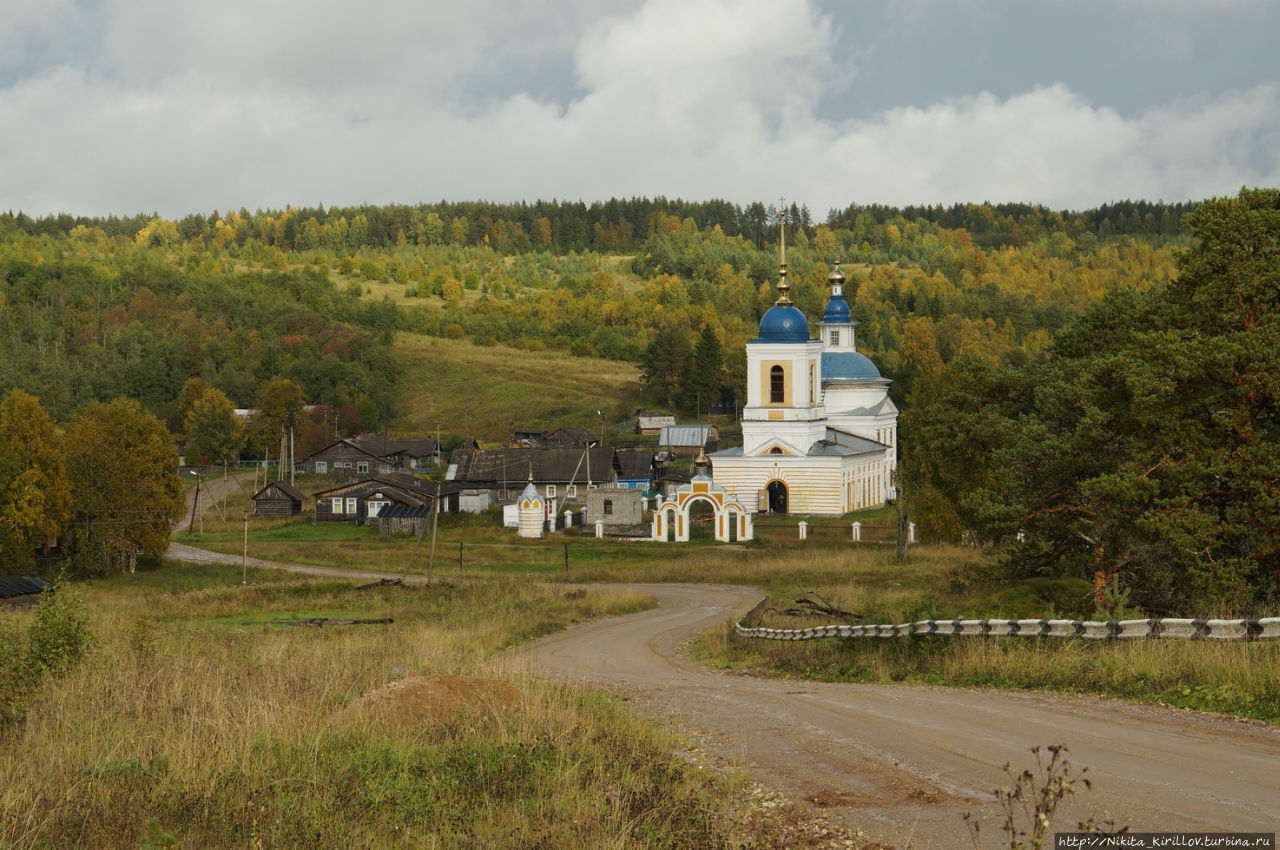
(783, 286)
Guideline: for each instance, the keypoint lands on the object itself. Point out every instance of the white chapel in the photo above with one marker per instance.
(819, 432)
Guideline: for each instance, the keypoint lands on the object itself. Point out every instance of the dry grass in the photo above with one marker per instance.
(188, 729)
(484, 389)
(1232, 677)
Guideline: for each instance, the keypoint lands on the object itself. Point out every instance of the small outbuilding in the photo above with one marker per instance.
(614, 506)
(404, 520)
(277, 499)
(22, 589)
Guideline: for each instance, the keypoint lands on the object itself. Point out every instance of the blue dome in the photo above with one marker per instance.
(783, 324)
(848, 366)
(837, 311)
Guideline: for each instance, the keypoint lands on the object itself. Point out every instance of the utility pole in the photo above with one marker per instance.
(244, 557)
(194, 504)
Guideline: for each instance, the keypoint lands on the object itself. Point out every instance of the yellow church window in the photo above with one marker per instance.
(777, 385)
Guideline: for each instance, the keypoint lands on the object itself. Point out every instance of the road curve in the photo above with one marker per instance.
(904, 763)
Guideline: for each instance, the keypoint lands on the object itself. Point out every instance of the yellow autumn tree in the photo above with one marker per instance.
(35, 495)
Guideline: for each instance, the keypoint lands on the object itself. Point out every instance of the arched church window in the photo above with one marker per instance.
(777, 385)
(775, 451)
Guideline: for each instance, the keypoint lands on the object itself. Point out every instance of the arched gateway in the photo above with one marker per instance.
(671, 516)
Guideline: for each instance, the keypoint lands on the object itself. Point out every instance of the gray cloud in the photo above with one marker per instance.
(179, 107)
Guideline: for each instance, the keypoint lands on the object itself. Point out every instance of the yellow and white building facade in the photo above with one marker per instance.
(819, 430)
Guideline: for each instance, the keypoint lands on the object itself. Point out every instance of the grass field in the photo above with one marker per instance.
(482, 390)
(186, 727)
(939, 582)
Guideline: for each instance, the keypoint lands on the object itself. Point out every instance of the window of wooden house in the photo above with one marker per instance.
(571, 490)
(336, 504)
(551, 491)
(777, 385)
(362, 466)
(351, 505)
(322, 466)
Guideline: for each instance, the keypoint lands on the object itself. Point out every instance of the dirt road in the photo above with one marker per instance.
(903, 764)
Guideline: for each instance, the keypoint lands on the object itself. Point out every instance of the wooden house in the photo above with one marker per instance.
(635, 468)
(361, 501)
(557, 473)
(651, 425)
(278, 499)
(370, 454)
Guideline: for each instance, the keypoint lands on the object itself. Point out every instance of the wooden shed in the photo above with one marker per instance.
(400, 520)
(277, 499)
(22, 589)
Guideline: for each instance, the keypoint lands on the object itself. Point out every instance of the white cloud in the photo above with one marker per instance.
(185, 108)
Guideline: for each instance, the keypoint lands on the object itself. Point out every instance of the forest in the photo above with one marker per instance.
(1066, 382)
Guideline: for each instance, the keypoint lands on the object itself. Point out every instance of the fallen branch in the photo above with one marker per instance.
(812, 604)
(384, 582)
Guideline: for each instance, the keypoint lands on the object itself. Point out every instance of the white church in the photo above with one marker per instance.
(819, 432)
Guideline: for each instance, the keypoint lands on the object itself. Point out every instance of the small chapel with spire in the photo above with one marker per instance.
(819, 431)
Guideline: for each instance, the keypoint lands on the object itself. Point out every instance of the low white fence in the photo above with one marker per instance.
(1267, 628)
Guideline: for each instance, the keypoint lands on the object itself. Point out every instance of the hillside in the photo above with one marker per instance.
(482, 390)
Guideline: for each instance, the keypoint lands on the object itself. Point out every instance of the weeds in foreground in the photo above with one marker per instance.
(191, 728)
(1031, 801)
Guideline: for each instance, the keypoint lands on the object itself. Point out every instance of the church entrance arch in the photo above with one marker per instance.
(701, 509)
(777, 497)
(702, 513)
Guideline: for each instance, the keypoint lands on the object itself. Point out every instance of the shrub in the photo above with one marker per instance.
(59, 636)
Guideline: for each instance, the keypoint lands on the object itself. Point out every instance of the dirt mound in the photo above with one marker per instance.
(429, 699)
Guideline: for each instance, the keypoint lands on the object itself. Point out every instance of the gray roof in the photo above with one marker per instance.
(281, 488)
(635, 463)
(400, 511)
(547, 465)
(859, 445)
(408, 484)
(684, 435)
(22, 585)
(883, 406)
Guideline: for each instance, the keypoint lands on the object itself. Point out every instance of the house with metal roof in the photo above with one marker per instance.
(689, 440)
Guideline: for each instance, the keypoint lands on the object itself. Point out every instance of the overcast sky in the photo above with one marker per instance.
(125, 106)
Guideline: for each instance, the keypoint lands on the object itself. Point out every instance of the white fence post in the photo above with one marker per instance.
(911, 532)
(599, 528)
(857, 532)
(568, 519)
(804, 530)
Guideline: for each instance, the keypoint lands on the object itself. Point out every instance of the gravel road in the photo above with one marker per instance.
(902, 764)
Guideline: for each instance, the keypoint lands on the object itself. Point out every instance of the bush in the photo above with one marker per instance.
(59, 636)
